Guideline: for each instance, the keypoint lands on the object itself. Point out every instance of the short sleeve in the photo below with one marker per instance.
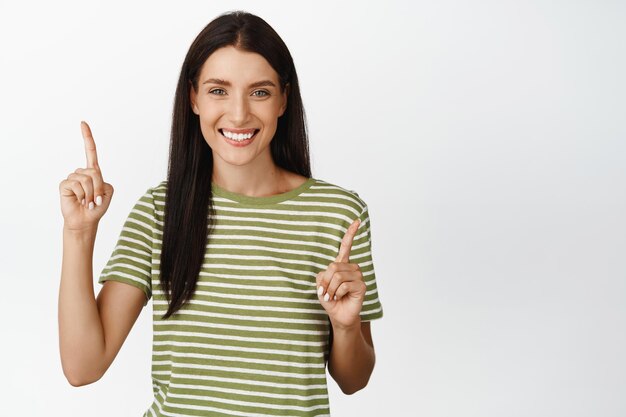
(361, 253)
(131, 260)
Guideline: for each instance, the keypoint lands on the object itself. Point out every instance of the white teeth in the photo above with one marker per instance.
(237, 136)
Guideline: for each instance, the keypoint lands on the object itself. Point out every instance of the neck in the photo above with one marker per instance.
(257, 179)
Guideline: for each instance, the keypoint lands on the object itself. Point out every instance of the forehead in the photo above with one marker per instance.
(231, 64)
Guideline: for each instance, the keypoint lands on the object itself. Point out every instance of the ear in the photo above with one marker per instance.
(285, 98)
(192, 98)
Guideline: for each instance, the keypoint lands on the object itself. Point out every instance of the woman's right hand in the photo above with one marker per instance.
(84, 188)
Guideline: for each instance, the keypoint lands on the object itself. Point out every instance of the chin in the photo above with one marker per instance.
(237, 160)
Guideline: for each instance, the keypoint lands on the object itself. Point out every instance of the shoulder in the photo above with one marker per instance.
(153, 199)
(159, 187)
(319, 189)
(157, 191)
(338, 194)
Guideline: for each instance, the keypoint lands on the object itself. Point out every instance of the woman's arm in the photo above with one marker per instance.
(81, 337)
(91, 331)
(352, 357)
(341, 290)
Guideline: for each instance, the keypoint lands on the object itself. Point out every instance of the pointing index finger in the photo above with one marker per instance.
(90, 146)
(346, 242)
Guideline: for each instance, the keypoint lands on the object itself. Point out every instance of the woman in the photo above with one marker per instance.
(260, 274)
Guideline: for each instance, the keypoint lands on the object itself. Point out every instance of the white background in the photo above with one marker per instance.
(487, 138)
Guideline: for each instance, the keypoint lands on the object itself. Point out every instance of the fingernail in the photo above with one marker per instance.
(83, 202)
(320, 290)
(335, 298)
(326, 297)
(91, 205)
(99, 200)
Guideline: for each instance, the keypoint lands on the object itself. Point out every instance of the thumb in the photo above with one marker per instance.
(108, 194)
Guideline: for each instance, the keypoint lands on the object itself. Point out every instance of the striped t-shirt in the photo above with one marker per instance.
(253, 341)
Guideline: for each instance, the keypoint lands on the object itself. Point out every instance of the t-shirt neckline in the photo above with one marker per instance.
(272, 199)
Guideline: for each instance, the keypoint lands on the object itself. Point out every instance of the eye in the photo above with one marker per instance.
(265, 93)
(216, 89)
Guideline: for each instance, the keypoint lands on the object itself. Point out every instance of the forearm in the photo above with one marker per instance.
(351, 359)
(81, 336)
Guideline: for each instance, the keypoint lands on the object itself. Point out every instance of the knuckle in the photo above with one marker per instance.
(87, 185)
(341, 290)
(91, 172)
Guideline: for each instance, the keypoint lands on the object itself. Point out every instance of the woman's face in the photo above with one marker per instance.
(238, 94)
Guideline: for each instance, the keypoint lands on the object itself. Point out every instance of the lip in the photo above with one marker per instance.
(251, 130)
(243, 142)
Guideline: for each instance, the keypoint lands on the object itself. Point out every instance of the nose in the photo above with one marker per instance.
(238, 111)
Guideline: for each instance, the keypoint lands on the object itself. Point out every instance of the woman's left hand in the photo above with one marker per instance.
(341, 288)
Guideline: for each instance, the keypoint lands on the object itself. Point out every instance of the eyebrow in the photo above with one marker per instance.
(264, 83)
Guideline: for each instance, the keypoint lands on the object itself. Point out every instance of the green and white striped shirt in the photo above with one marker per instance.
(253, 341)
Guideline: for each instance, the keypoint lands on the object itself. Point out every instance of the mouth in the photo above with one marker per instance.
(239, 138)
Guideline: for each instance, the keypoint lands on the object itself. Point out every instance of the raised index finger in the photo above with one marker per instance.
(346, 242)
(90, 146)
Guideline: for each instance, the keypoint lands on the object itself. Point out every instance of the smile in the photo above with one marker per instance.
(239, 138)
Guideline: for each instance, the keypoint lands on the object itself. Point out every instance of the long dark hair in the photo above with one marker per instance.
(189, 201)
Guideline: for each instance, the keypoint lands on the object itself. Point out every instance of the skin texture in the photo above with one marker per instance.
(92, 331)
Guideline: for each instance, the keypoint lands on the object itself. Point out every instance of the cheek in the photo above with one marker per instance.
(269, 114)
(209, 116)
(208, 127)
